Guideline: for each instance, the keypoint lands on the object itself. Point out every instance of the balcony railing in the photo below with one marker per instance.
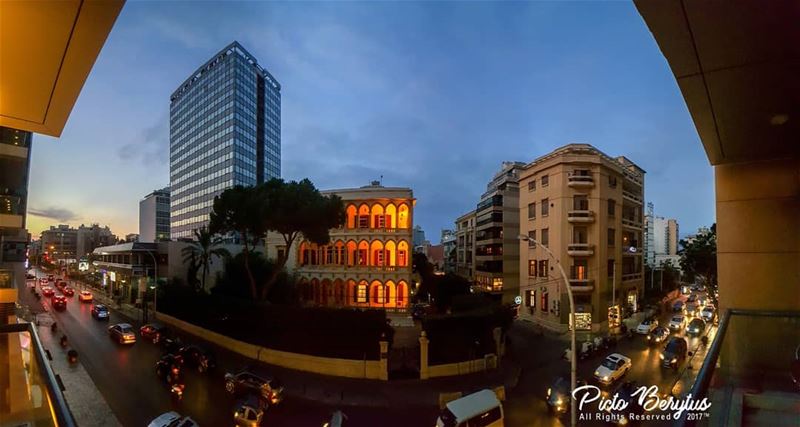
(630, 222)
(580, 216)
(34, 397)
(580, 181)
(747, 372)
(582, 285)
(631, 276)
(580, 249)
(632, 197)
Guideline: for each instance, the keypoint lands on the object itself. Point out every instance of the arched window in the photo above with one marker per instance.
(363, 217)
(391, 293)
(377, 256)
(402, 294)
(377, 291)
(351, 252)
(403, 216)
(304, 255)
(352, 213)
(339, 252)
(402, 254)
(391, 253)
(352, 292)
(338, 291)
(378, 219)
(391, 216)
(362, 255)
(361, 295)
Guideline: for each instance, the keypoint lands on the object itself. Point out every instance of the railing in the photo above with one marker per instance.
(52, 409)
(631, 196)
(580, 181)
(631, 276)
(580, 249)
(583, 215)
(757, 362)
(631, 223)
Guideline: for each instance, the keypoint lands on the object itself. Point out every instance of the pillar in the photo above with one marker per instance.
(424, 374)
(384, 365)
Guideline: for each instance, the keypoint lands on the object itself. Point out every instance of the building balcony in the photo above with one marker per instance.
(632, 276)
(580, 181)
(580, 249)
(627, 195)
(581, 285)
(580, 216)
(33, 394)
(631, 223)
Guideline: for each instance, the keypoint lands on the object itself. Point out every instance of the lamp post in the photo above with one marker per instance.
(155, 283)
(573, 355)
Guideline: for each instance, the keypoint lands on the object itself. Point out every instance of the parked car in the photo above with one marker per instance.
(646, 326)
(59, 302)
(674, 353)
(657, 335)
(248, 381)
(122, 333)
(85, 296)
(559, 394)
(154, 332)
(48, 291)
(418, 311)
(613, 368)
(99, 311)
(696, 327)
(198, 357)
(68, 291)
(172, 419)
(707, 314)
(677, 322)
(248, 412)
(678, 307)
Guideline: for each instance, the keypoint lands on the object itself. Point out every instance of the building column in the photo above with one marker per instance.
(424, 373)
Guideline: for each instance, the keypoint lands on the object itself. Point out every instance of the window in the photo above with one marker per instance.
(532, 268)
(610, 268)
(380, 221)
(611, 236)
(362, 257)
(580, 202)
(401, 258)
(363, 221)
(543, 268)
(361, 293)
(545, 236)
(612, 181)
(530, 298)
(612, 207)
(532, 239)
(545, 180)
(532, 184)
(545, 207)
(532, 210)
(543, 302)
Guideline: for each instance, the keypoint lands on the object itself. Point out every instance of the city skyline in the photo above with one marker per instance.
(344, 115)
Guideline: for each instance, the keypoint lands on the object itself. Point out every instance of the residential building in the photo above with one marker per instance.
(154, 216)
(496, 234)
(65, 245)
(368, 260)
(736, 67)
(661, 235)
(672, 237)
(586, 208)
(448, 242)
(225, 130)
(465, 245)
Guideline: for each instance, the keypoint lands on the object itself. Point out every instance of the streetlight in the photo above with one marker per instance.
(573, 355)
(155, 283)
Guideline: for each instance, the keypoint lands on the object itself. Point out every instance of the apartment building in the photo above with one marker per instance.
(586, 208)
(465, 245)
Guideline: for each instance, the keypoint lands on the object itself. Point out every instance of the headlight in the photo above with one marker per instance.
(605, 378)
(596, 373)
(674, 359)
(559, 402)
(548, 392)
(661, 356)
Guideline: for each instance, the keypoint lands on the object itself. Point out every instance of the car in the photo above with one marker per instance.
(172, 419)
(67, 291)
(48, 291)
(418, 311)
(99, 311)
(30, 276)
(677, 322)
(558, 394)
(696, 327)
(657, 335)
(248, 412)
(678, 307)
(692, 298)
(613, 368)
(692, 310)
(249, 381)
(707, 313)
(168, 367)
(633, 410)
(198, 358)
(154, 332)
(674, 353)
(85, 296)
(60, 284)
(122, 333)
(646, 326)
(59, 302)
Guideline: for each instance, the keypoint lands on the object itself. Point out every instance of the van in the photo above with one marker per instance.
(480, 409)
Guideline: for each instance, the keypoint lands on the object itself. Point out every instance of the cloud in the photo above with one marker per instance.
(59, 214)
(152, 145)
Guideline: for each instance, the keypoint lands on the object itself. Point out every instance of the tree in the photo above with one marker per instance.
(240, 210)
(699, 258)
(202, 251)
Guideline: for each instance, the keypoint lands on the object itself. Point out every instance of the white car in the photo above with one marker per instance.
(677, 323)
(172, 419)
(612, 368)
(646, 326)
(707, 314)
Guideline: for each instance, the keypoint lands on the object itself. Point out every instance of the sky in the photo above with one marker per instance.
(428, 95)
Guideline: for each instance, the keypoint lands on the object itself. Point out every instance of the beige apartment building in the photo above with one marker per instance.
(465, 245)
(586, 207)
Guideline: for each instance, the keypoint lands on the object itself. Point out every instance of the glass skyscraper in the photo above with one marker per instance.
(225, 130)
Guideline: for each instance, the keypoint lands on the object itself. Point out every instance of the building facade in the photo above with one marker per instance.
(154, 217)
(586, 208)
(65, 245)
(465, 245)
(368, 261)
(225, 130)
(661, 235)
(496, 234)
(448, 242)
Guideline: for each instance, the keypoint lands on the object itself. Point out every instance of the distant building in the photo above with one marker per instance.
(700, 232)
(448, 242)
(419, 236)
(65, 245)
(154, 217)
(131, 238)
(662, 238)
(465, 245)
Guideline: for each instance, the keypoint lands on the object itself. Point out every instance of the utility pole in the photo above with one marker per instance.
(614, 283)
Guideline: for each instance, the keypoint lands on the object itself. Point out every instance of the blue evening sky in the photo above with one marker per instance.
(429, 95)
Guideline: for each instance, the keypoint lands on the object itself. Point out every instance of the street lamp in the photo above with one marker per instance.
(573, 355)
(155, 283)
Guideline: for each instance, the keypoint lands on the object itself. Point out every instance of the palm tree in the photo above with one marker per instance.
(203, 250)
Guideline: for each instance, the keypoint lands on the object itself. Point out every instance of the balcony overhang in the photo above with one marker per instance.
(47, 49)
(582, 285)
(580, 216)
(736, 64)
(580, 249)
(580, 181)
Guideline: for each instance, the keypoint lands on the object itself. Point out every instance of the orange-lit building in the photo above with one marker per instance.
(368, 261)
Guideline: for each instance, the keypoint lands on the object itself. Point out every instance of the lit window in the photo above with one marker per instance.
(361, 293)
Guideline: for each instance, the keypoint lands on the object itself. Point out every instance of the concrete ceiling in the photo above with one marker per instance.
(737, 63)
(47, 49)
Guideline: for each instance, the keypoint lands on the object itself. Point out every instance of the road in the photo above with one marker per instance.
(125, 376)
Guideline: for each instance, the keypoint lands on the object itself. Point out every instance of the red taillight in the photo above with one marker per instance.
(174, 371)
